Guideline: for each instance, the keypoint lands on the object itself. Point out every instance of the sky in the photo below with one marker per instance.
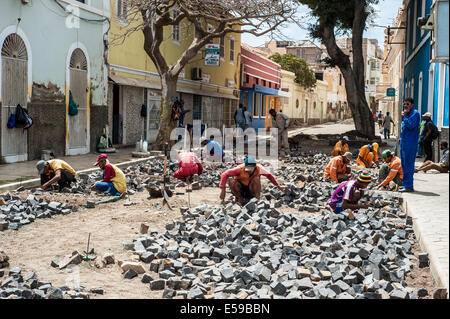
(386, 12)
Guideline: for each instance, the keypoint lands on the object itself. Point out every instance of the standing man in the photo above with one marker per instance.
(55, 171)
(387, 125)
(246, 183)
(380, 119)
(426, 137)
(368, 154)
(281, 122)
(239, 117)
(420, 148)
(114, 181)
(248, 118)
(408, 143)
(341, 147)
(188, 165)
(337, 169)
(391, 171)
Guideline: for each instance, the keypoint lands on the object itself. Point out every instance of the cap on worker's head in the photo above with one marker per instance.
(375, 146)
(387, 153)
(428, 114)
(364, 177)
(100, 158)
(346, 138)
(250, 161)
(349, 156)
(41, 166)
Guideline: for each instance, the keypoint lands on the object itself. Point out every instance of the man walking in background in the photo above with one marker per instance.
(408, 143)
(387, 125)
(239, 117)
(281, 122)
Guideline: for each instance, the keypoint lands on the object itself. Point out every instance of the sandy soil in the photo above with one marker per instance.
(111, 226)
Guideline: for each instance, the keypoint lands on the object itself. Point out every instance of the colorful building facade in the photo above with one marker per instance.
(50, 51)
(260, 89)
(209, 93)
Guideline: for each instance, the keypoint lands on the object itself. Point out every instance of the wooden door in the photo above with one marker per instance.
(78, 124)
(14, 91)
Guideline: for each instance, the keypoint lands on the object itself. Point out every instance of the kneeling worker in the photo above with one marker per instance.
(391, 171)
(368, 154)
(247, 181)
(341, 147)
(337, 169)
(55, 171)
(347, 195)
(188, 165)
(114, 181)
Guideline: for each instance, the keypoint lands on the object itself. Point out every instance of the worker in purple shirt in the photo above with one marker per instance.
(347, 195)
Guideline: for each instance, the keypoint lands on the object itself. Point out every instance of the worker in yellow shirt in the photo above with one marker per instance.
(337, 170)
(114, 181)
(341, 147)
(55, 171)
(391, 171)
(368, 154)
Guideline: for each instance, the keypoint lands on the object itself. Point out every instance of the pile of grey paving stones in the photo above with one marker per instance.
(16, 213)
(257, 251)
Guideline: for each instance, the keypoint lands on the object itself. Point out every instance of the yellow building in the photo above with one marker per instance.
(209, 93)
(303, 106)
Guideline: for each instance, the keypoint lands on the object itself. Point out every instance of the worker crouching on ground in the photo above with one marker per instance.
(391, 171)
(114, 181)
(55, 171)
(368, 155)
(341, 147)
(188, 165)
(348, 194)
(246, 183)
(337, 169)
(215, 150)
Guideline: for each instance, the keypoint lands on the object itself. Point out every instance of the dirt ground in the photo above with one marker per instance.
(111, 226)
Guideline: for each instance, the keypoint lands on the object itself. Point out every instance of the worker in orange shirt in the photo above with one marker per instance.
(341, 147)
(368, 154)
(391, 171)
(337, 169)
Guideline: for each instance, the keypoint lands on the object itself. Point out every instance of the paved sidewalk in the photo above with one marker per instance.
(14, 172)
(428, 206)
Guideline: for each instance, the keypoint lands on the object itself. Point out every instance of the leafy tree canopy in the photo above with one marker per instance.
(303, 74)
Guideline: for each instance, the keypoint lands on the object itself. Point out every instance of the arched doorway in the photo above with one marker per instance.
(78, 125)
(14, 84)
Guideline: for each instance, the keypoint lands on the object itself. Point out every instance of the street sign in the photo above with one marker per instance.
(390, 92)
(212, 56)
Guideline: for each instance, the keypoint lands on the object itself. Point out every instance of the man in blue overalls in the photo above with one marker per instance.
(408, 143)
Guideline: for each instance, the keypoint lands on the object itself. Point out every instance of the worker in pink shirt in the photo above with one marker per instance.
(188, 165)
(246, 183)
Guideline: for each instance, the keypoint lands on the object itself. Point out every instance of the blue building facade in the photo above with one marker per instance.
(424, 81)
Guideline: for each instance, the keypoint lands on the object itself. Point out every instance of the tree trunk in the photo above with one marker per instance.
(166, 124)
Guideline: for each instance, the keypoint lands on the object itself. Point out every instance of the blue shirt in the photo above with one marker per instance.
(214, 148)
(410, 127)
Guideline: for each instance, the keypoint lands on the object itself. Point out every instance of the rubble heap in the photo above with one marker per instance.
(16, 213)
(16, 286)
(256, 251)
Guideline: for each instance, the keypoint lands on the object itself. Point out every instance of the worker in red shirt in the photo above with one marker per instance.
(391, 171)
(188, 165)
(114, 181)
(246, 183)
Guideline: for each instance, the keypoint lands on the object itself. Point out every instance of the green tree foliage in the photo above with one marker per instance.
(303, 74)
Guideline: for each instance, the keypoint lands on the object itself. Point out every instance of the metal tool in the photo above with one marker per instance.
(165, 196)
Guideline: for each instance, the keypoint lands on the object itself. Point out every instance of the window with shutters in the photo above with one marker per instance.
(231, 50)
(222, 47)
(122, 11)
(176, 27)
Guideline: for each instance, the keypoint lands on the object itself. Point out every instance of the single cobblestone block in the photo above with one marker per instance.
(157, 284)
